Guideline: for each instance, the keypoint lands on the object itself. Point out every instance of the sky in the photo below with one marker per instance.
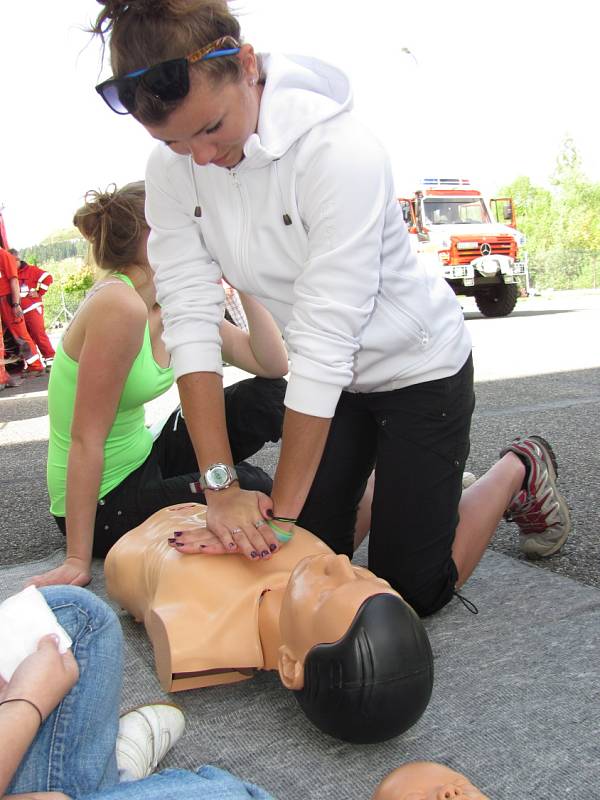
(488, 90)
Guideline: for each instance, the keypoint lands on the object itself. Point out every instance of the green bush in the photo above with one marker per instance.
(79, 281)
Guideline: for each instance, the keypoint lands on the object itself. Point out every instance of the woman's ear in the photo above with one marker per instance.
(291, 671)
(247, 57)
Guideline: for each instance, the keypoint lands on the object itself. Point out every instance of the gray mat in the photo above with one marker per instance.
(515, 703)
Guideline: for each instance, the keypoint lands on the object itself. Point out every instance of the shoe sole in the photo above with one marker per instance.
(550, 458)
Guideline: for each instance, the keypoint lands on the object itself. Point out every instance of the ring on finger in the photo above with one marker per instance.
(236, 530)
(259, 523)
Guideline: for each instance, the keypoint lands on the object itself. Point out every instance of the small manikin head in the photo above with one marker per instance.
(355, 654)
(425, 780)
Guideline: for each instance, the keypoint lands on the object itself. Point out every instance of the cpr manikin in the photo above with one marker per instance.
(424, 780)
(355, 654)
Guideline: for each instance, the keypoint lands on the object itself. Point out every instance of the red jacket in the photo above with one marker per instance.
(32, 280)
(8, 269)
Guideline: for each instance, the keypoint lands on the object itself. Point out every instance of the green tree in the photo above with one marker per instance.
(562, 225)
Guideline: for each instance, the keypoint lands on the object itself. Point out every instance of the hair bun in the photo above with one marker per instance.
(112, 221)
(96, 206)
(114, 9)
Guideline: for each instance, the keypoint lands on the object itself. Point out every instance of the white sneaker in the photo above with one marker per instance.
(145, 736)
(468, 480)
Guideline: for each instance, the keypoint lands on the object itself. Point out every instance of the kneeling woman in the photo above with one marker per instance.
(106, 474)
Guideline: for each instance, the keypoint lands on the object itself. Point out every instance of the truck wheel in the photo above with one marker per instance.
(497, 300)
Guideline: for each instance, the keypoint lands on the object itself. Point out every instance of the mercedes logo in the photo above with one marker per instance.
(485, 249)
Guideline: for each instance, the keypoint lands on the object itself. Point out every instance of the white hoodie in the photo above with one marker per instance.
(356, 310)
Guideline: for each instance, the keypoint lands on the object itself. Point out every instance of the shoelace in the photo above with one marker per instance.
(468, 604)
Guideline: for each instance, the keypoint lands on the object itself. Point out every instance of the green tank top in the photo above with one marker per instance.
(129, 441)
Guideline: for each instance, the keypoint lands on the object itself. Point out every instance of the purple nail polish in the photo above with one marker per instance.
(179, 544)
(171, 541)
(177, 533)
(264, 553)
(254, 554)
(272, 547)
(269, 512)
(232, 546)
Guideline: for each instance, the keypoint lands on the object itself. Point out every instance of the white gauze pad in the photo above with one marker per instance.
(24, 619)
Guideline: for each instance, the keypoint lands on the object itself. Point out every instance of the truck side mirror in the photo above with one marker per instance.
(502, 208)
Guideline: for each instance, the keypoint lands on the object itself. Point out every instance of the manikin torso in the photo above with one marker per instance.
(217, 618)
(211, 619)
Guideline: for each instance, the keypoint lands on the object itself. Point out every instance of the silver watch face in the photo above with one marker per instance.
(217, 476)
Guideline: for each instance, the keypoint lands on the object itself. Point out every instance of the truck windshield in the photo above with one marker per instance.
(467, 210)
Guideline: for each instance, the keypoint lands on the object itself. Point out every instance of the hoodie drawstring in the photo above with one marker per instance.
(198, 209)
(287, 220)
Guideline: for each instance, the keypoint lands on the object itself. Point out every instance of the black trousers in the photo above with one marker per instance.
(254, 414)
(417, 439)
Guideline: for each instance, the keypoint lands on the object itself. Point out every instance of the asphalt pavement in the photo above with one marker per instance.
(537, 371)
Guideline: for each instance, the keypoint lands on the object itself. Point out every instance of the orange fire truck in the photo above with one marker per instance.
(475, 242)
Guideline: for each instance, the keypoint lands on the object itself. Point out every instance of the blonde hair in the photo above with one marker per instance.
(145, 32)
(113, 222)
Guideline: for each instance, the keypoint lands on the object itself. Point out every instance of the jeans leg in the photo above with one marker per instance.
(348, 459)
(74, 750)
(207, 783)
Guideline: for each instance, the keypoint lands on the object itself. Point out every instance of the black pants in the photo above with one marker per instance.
(417, 439)
(254, 414)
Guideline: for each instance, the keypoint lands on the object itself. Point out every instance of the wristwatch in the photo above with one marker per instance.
(216, 477)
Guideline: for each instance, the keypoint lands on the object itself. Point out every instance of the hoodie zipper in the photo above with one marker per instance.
(242, 237)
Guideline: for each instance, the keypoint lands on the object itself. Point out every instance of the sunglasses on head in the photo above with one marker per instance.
(169, 80)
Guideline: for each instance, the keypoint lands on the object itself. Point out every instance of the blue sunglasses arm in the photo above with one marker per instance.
(217, 53)
(137, 73)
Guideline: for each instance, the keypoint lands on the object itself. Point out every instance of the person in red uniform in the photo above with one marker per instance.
(12, 316)
(34, 283)
(7, 273)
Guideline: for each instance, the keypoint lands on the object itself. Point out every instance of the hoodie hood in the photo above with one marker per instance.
(299, 93)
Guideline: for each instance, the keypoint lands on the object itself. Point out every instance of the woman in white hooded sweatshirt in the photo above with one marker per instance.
(263, 176)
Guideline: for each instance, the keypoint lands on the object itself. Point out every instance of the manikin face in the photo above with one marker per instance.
(321, 600)
(424, 780)
(214, 121)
